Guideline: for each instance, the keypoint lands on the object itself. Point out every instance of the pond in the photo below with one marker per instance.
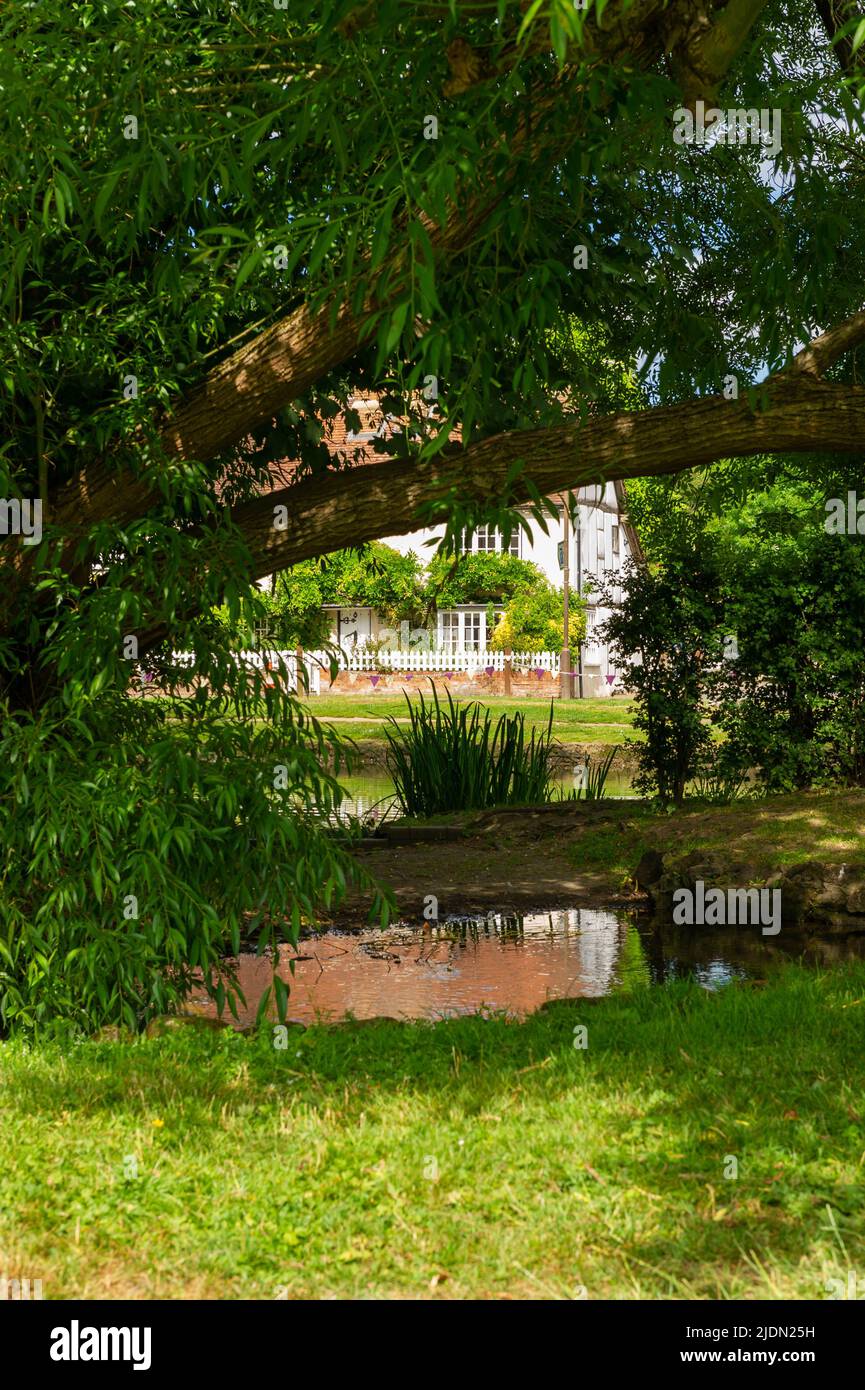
(370, 795)
(511, 964)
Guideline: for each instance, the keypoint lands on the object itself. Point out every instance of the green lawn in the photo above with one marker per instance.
(473, 1158)
(606, 720)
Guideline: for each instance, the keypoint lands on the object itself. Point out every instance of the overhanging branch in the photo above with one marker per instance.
(799, 415)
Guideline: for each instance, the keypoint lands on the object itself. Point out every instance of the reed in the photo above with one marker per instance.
(457, 758)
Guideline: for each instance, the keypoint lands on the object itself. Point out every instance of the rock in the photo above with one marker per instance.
(649, 869)
(823, 891)
(111, 1033)
(829, 895)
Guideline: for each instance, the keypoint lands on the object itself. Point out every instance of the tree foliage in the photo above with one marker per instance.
(749, 618)
(483, 577)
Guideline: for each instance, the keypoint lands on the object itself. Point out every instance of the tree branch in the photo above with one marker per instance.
(834, 14)
(821, 353)
(801, 415)
(282, 363)
(704, 43)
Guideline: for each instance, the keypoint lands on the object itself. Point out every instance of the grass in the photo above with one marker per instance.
(476, 1158)
(605, 720)
(771, 834)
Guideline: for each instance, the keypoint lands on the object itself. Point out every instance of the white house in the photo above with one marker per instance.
(601, 542)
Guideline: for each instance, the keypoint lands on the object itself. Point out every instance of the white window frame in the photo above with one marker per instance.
(449, 631)
(470, 629)
(487, 540)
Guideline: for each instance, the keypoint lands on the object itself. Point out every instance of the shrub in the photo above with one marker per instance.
(534, 621)
(666, 633)
(486, 577)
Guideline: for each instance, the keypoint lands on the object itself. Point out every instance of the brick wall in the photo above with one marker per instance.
(537, 683)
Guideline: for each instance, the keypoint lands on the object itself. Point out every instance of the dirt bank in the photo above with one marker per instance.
(589, 853)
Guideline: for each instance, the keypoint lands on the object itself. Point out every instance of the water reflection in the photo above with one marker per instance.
(511, 964)
(715, 955)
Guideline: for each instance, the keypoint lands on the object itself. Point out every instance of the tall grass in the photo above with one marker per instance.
(456, 758)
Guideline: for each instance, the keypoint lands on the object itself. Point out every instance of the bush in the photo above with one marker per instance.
(792, 706)
(486, 577)
(666, 632)
(534, 621)
(766, 643)
(375, 576)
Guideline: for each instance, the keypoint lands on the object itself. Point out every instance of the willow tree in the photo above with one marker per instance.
(220, 224)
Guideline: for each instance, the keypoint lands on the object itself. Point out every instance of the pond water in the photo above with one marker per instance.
(512, 964)
(370, 795)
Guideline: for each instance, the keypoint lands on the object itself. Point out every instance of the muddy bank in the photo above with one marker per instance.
(513, 859)
(831, 896)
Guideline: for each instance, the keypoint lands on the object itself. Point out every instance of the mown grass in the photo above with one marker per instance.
(471, 1158)
(607, 720)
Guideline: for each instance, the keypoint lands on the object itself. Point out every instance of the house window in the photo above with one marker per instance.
(488, 540)
(615, 539)
(472, 628)
(463, 630)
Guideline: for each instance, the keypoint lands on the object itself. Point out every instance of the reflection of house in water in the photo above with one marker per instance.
(462, 966)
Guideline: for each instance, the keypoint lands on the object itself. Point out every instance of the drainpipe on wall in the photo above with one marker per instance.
(567, 687)
(580, 594)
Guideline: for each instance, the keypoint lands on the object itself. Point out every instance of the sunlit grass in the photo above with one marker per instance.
(473, 1158)
(604, 720)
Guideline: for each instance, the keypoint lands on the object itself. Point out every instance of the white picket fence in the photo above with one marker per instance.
(448, 663)
(278, 665)
(282, 665)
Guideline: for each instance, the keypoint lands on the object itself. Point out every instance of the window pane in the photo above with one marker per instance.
(450, 631)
